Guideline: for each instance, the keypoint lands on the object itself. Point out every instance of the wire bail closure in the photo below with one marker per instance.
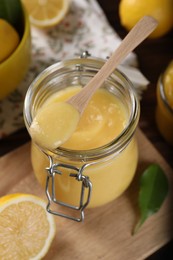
(86, 186)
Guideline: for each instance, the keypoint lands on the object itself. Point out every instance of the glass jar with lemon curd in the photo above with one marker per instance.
(98, 162)
(164, 109)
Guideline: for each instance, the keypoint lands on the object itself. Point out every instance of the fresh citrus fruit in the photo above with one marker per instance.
(168, 83)
(9, 40)
(46, 13)
(26, 229)
(131, 11)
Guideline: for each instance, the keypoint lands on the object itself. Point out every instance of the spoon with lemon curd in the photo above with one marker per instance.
(67, 115)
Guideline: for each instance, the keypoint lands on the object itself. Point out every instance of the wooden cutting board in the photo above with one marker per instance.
(106, 231)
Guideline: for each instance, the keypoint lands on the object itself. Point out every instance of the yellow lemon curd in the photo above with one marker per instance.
(63, 128)
(103, 120)
(164, 110)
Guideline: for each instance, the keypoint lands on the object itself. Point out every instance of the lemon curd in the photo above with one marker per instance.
(100, 157)
(103, 120)
(63, 120)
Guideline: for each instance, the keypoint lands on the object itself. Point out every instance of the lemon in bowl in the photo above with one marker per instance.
(10, 39)
(15, 56)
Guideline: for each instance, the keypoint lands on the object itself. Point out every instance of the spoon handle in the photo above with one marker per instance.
(138, 33)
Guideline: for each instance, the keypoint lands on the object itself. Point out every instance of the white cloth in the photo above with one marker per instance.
(85, 27)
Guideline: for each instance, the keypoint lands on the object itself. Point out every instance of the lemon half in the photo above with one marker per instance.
(46, 13)
(26, 229)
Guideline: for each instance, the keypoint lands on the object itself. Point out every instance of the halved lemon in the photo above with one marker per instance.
(26, 229)
(46, 13)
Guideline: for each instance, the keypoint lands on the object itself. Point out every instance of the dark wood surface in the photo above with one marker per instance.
(154, 56)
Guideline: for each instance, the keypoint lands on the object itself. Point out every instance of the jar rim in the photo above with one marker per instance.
(117, 144)
(163, 95)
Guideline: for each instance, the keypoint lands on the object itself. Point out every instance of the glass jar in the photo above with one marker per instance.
(76, 179)
(164, 113)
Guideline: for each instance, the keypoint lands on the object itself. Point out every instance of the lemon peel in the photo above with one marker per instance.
(130, 11)
(9, 39)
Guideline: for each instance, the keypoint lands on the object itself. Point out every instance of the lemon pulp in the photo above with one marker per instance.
(26, 229)
(46, 13)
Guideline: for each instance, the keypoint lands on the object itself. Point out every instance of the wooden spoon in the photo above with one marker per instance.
(139, 32)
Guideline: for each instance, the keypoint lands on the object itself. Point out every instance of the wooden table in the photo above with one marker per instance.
(153, 56)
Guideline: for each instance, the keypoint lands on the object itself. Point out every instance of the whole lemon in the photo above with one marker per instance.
(14, 68)
(9, 39)
(131, 11)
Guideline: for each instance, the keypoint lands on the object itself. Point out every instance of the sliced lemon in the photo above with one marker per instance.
(46, 13)
(26, 229)
(9, 39)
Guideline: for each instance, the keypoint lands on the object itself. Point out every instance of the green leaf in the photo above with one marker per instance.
(153, 190)
(12, 11)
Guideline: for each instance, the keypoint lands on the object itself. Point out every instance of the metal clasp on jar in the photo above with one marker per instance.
(85, 54)
(86, 187)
